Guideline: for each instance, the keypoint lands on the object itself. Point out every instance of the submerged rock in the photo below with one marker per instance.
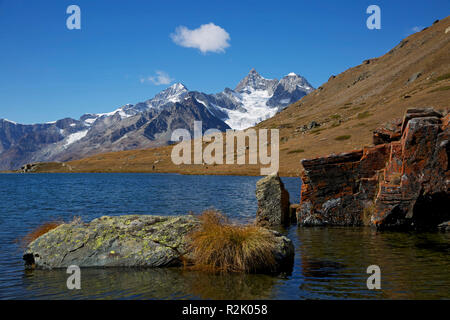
(273, 202)
(127, 241)
(403, 181)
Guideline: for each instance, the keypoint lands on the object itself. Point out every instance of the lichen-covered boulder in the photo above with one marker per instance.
(121, 241)
(273, 202)
(129, 241)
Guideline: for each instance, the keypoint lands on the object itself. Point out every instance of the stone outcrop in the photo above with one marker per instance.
(403, 181)
(273, 202)
(127, 241)
(30, 167)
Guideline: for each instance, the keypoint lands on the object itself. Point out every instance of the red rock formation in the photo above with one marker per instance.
(393, 184)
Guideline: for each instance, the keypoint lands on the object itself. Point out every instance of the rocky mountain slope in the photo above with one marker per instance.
(150, 123)
(339, 116)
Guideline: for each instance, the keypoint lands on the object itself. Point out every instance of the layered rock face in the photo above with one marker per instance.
(273, 202)
(126, 241)
(403, 181)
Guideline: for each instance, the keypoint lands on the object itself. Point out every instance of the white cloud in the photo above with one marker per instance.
(416, 29)
(160, 78)
(208, 37)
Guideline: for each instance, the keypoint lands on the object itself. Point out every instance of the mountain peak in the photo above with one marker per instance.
(178, 86)
(174, 93)
(254, 81)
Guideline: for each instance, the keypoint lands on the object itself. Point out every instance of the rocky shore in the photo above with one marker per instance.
(128, 241)
(401, 182)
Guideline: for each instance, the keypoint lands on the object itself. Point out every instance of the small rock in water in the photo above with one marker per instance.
(273, 202)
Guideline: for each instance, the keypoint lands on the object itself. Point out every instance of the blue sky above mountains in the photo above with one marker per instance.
(127, 51)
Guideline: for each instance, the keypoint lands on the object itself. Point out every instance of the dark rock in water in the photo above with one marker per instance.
(273, 202)
(329, 185)
(395, 184)
(293, 212)
(127, 241)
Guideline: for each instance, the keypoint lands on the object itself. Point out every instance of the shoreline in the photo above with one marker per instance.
(80, 166)
(147, 172)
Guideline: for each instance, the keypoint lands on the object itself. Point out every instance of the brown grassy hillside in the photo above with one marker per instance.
(416, 73)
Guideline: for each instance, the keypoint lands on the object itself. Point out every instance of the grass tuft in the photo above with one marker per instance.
(363, 115)
(344, 137)
(43, 229)
(444, 88)
(38, 231)
(442, 77)
(220, 246)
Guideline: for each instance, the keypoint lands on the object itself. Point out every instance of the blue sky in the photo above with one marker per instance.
(48, 72)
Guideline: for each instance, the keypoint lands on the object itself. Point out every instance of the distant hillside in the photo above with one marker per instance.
(339, 116)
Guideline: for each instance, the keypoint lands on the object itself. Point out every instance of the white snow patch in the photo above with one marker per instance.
(75, 137)
(10, 121)
(122, 113)
(257, 110)
(90, 120)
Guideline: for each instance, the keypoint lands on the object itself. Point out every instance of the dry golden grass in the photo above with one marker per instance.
(43, 229)
(219, 246)
(38, 231)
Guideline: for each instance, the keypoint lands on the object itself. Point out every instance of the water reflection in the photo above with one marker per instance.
(169, 283)
(333, 263)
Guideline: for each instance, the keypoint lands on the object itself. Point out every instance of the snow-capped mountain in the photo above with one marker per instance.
(254, 99)
(149, 123)
(257, 98)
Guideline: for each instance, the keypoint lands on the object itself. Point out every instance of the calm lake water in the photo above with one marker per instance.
(330, 263)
